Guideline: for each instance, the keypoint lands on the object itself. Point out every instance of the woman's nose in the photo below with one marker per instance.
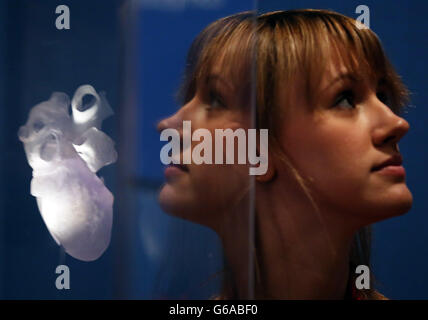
(173, 121)
(23, 133)
(391, 127)
(176, 120)
(162, 125)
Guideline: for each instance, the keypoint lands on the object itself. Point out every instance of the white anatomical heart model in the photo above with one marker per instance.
(65, 151)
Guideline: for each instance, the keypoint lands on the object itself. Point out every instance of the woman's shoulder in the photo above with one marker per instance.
(368, 295)
(375, 295)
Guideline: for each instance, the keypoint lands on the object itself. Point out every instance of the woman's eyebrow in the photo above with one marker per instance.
(216, 77)
(341, 77)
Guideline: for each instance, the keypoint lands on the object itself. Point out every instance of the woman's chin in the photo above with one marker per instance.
(401, 200)
(173, 201)
(404, 204)
(397, 202)
(168, 199)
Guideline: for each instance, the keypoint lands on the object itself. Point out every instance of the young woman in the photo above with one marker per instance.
(323, 87)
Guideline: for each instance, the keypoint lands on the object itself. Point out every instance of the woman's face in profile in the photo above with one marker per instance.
(341, 143)
(202, 192)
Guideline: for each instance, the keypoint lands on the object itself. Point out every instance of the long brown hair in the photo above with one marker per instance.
(274, 49)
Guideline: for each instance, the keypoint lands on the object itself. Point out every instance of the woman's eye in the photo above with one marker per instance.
(38, 125)
(215, 100)
(345, 100)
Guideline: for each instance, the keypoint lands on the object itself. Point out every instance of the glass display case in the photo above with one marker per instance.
(117, 222)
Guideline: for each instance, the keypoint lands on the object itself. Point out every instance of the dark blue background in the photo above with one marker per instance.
(153, 255)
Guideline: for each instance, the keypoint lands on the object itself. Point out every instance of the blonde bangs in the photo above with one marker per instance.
(298, 44)
(231, 55)
(283, 47)
(217, 45)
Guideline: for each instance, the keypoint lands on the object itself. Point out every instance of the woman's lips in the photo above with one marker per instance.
(392, 166)
(397, 171)
(173, 170)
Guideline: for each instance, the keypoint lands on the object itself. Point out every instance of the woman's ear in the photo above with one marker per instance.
(270, 173)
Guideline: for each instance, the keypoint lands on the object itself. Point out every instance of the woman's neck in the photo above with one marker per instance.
(299, 259)
(298, 253)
